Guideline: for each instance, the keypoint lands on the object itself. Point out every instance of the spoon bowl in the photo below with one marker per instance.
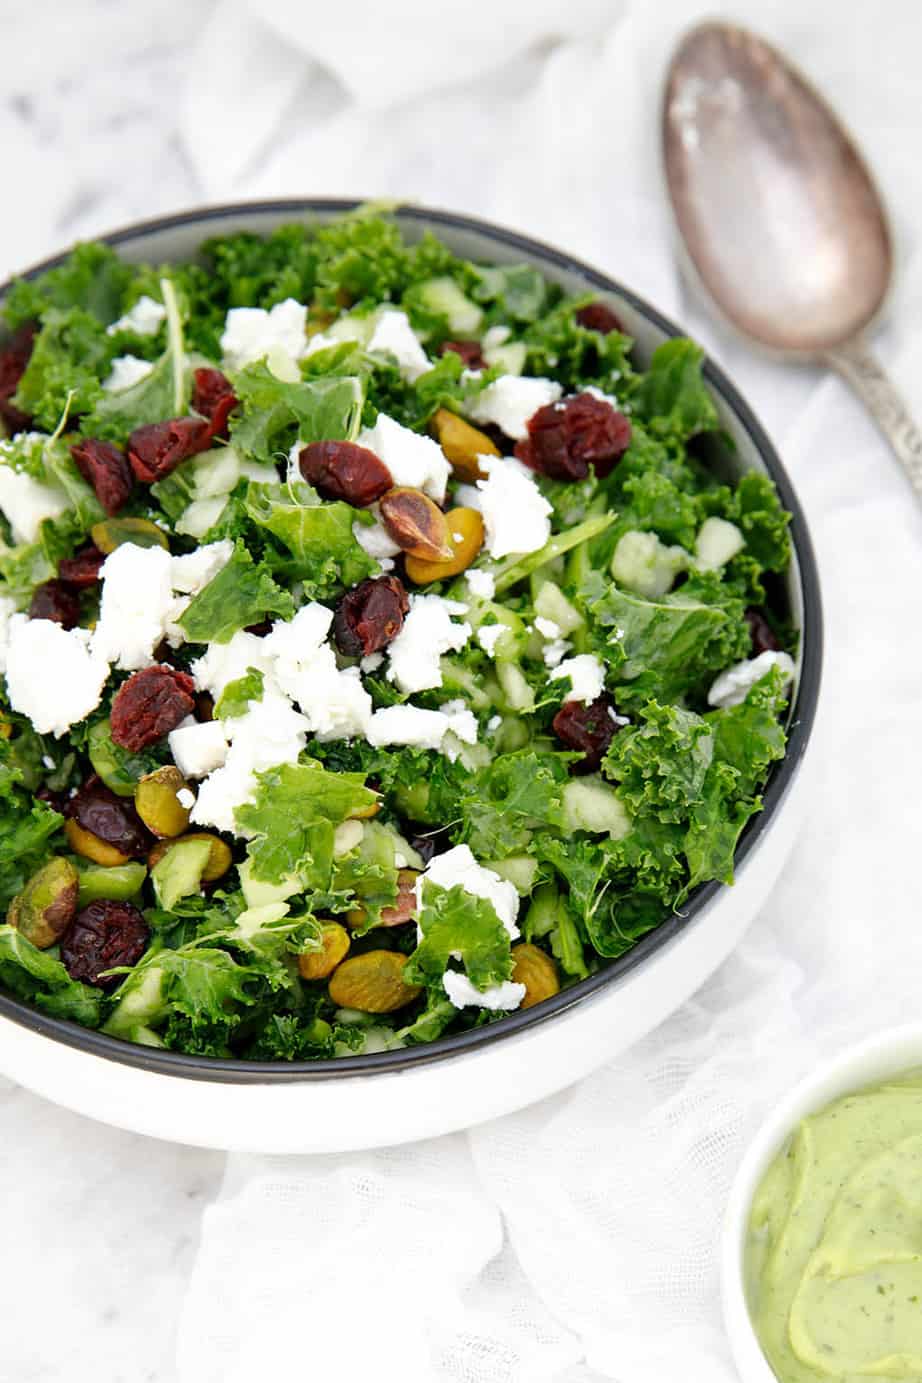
(783, 227)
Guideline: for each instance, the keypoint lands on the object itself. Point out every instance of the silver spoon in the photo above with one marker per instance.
(784, 229)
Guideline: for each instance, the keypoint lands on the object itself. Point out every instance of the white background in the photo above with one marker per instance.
(574, 1242)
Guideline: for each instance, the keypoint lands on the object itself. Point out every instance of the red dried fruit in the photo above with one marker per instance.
(55, 601)
(106, 468)
(763, 636)
(370, 616)
(213, 396)
(13, 361)
(113, 819)
(565, 438)
(342, 470)
(103, 935)
(598, 317)
(157, 448)
(469, 352)
(590, 729)
(149, 705)
(83, 568)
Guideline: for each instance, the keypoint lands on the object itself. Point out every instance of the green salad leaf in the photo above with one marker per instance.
(242, 593)
(455, 924)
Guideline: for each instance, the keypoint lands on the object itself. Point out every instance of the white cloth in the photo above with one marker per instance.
(574, 1242)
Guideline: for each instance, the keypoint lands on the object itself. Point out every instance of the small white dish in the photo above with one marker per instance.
(888, 1053)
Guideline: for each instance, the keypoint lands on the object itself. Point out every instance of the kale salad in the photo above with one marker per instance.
(380, 650)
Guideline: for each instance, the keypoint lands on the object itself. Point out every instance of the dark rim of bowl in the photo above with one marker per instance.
(240, 1071)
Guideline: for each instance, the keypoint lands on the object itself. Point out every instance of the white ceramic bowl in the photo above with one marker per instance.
(393, 1097)
(889, 1053)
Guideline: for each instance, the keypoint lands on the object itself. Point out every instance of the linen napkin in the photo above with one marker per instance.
(575, 1241)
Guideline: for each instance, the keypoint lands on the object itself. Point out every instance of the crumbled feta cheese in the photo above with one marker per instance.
(412, 458)
(547, 628)
(468, 497)
(143, 319)
(717, 542)
(511, 400)
(515, 513)
(586, 674)
(428, 632)
(7, 610)
(137, 603)
(596, 393)
(53, 676)
(497, 998)
(332, 699)
(223, 663)
(494, 722)
(643, 564)
(394, 336)
(371, 662)
(251, 332)
(125, 371)
(489, 635)
(192, 573)
(555, 651)
(480, 583)
(374, 537)
(421, 729)
(47, 762)
(732, 686)
(462, 725)
(26, 502)
(458, 866)
(186, 798)
(199, 516)
(271, 733)
(198, 749)
(495, 336)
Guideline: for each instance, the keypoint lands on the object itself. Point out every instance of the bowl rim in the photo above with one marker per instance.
(891, 1051)
(234, 1070)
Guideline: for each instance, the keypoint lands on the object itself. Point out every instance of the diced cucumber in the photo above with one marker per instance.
(511, 643)
(201, 515)
(456, 677)
(641, 563)
(119, 769)
(118, 882)
(551, 603)
(250, 921)
(257, 894)
(718, 541)
(541, 914)
(215, 472)
(519, 695)
(510, 356)
(413, 802)
(443, 296)
(513, 734)
(140, 1003)
(591, 805)
(179, 873)
(520, 870)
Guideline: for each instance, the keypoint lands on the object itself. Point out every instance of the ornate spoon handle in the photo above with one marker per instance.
(860, 368)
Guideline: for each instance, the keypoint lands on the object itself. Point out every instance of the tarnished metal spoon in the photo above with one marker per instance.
(783, 227)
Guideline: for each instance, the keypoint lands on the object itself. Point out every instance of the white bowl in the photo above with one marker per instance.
(394, 1097)
(889, 1053)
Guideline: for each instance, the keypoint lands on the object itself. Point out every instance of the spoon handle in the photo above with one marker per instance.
(859, 367)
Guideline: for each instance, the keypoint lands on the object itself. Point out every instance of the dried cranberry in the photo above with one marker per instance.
(598, 317)
(370, 616)
(590, 729)
(106, 468)
(213, 396)
(83, 568)
(565, 437)
(760, 631)
(13, 361)
(149, 705)
(342, 470)
(103, 935)
(55, 601)
(113, 819)
(157, 448)
(469, 352)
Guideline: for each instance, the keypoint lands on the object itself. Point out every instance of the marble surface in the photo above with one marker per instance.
(112, 111)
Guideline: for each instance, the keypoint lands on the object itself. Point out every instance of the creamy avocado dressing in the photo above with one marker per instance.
(834, 1243)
